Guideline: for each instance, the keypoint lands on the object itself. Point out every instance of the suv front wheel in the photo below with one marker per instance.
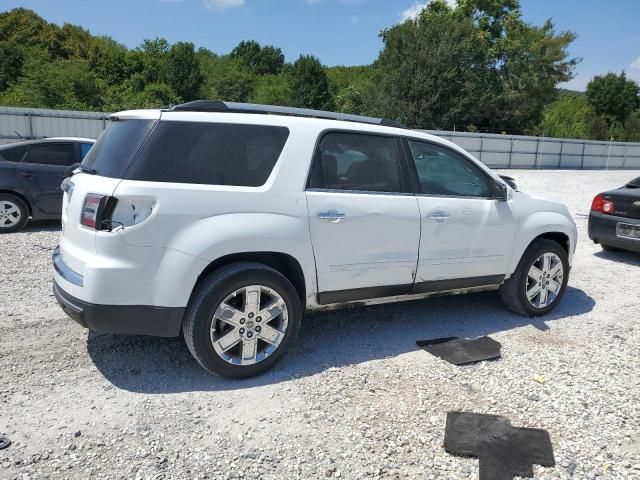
(539, 282)
(242, 319)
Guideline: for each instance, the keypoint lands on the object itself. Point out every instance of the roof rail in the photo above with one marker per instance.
(234, 107)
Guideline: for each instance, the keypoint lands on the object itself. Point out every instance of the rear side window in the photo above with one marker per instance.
(112, 154)
(12, 154)
(358, 162)
(61, 154)
(209, 153)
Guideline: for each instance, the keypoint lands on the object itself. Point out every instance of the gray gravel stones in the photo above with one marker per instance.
(356, 399)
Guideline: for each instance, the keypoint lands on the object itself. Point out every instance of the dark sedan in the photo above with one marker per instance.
(30, 177)
(614, 221)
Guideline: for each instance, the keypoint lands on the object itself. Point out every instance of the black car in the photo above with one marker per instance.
(614, 221)
(30, 177)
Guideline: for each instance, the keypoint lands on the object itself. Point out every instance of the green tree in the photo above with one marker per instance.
(225, 79)
(272, 90)
(614, 96)
(260, 60)
(309, 84)
(568, 117)
(11, 61)
(183, 71)
(532, 61)
(435, 72)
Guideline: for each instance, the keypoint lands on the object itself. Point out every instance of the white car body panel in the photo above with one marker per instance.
(375, 244)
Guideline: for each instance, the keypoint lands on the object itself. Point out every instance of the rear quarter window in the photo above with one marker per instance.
(209, 153)
(114, 150)
(12, 154)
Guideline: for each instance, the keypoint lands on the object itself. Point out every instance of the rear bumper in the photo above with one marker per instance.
(602, 229)
(125, 319)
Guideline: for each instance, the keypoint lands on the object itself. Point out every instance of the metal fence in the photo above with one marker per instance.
(517, 151)
(32, 123)
(497, 151)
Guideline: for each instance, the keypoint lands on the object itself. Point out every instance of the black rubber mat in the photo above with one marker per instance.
(504, 451)
(461, 351)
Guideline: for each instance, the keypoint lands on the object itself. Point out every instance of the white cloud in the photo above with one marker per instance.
(635, 65)
(222, 4)
(414, 10)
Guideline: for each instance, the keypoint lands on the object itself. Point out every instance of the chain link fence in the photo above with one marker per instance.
(496, 151)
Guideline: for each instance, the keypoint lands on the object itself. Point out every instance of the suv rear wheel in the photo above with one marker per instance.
(539, 282)
(242, 319)
(14, 213)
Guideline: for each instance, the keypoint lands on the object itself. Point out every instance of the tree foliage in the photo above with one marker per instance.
(260, 60)
(309, 84)
(475, 64)
(614, 96)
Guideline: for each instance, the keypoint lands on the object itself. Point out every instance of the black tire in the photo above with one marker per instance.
(22, 215)
(513, 291)
(212, 291)
(609, 248)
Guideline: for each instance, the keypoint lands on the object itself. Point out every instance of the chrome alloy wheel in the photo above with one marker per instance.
(249, 325)
(10, 214)
(544, 280)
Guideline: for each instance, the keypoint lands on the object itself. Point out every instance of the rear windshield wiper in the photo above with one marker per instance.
(90, 171)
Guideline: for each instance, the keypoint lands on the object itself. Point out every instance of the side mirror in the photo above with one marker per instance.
(500, 192)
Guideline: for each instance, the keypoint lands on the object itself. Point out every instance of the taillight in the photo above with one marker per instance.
(602, 205)
(92, 209)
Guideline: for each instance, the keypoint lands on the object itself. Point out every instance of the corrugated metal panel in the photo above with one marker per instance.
(502, 151)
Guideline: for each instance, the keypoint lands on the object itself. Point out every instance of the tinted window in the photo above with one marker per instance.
(12, 154)
(353, 161)
(63, 154)
(444, 172)
(84, 149)
(209, 153)
(111, 155)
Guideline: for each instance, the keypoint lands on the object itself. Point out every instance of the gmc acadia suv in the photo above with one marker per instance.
(227, 221)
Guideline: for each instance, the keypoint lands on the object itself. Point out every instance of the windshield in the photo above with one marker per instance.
(112, 154)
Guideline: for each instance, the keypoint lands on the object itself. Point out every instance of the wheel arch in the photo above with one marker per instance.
(545, 225)
(284, 263)
(21, 197)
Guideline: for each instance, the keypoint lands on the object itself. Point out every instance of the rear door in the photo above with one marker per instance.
(466, 232)
(42, 170)
(365, 225)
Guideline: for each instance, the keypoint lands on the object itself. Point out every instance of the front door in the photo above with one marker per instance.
(365, 226)
(41, 172)
(466, 233)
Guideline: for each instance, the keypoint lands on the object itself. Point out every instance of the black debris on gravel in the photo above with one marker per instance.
(462, 351)
(504, 451)
(4, 443)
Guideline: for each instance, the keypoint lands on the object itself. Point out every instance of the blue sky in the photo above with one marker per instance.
(339, 32)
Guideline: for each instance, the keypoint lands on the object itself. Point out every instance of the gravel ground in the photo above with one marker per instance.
(355, 399)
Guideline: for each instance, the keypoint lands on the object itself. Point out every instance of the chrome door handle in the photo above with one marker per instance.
(439, 216)
(332, 215)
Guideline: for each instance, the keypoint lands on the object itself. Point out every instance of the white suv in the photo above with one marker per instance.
(227, 221)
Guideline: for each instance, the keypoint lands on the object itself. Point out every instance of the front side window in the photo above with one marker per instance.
(12, 154)
(357, 162)
(209, 153)
(444, 172)
(62, 154)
